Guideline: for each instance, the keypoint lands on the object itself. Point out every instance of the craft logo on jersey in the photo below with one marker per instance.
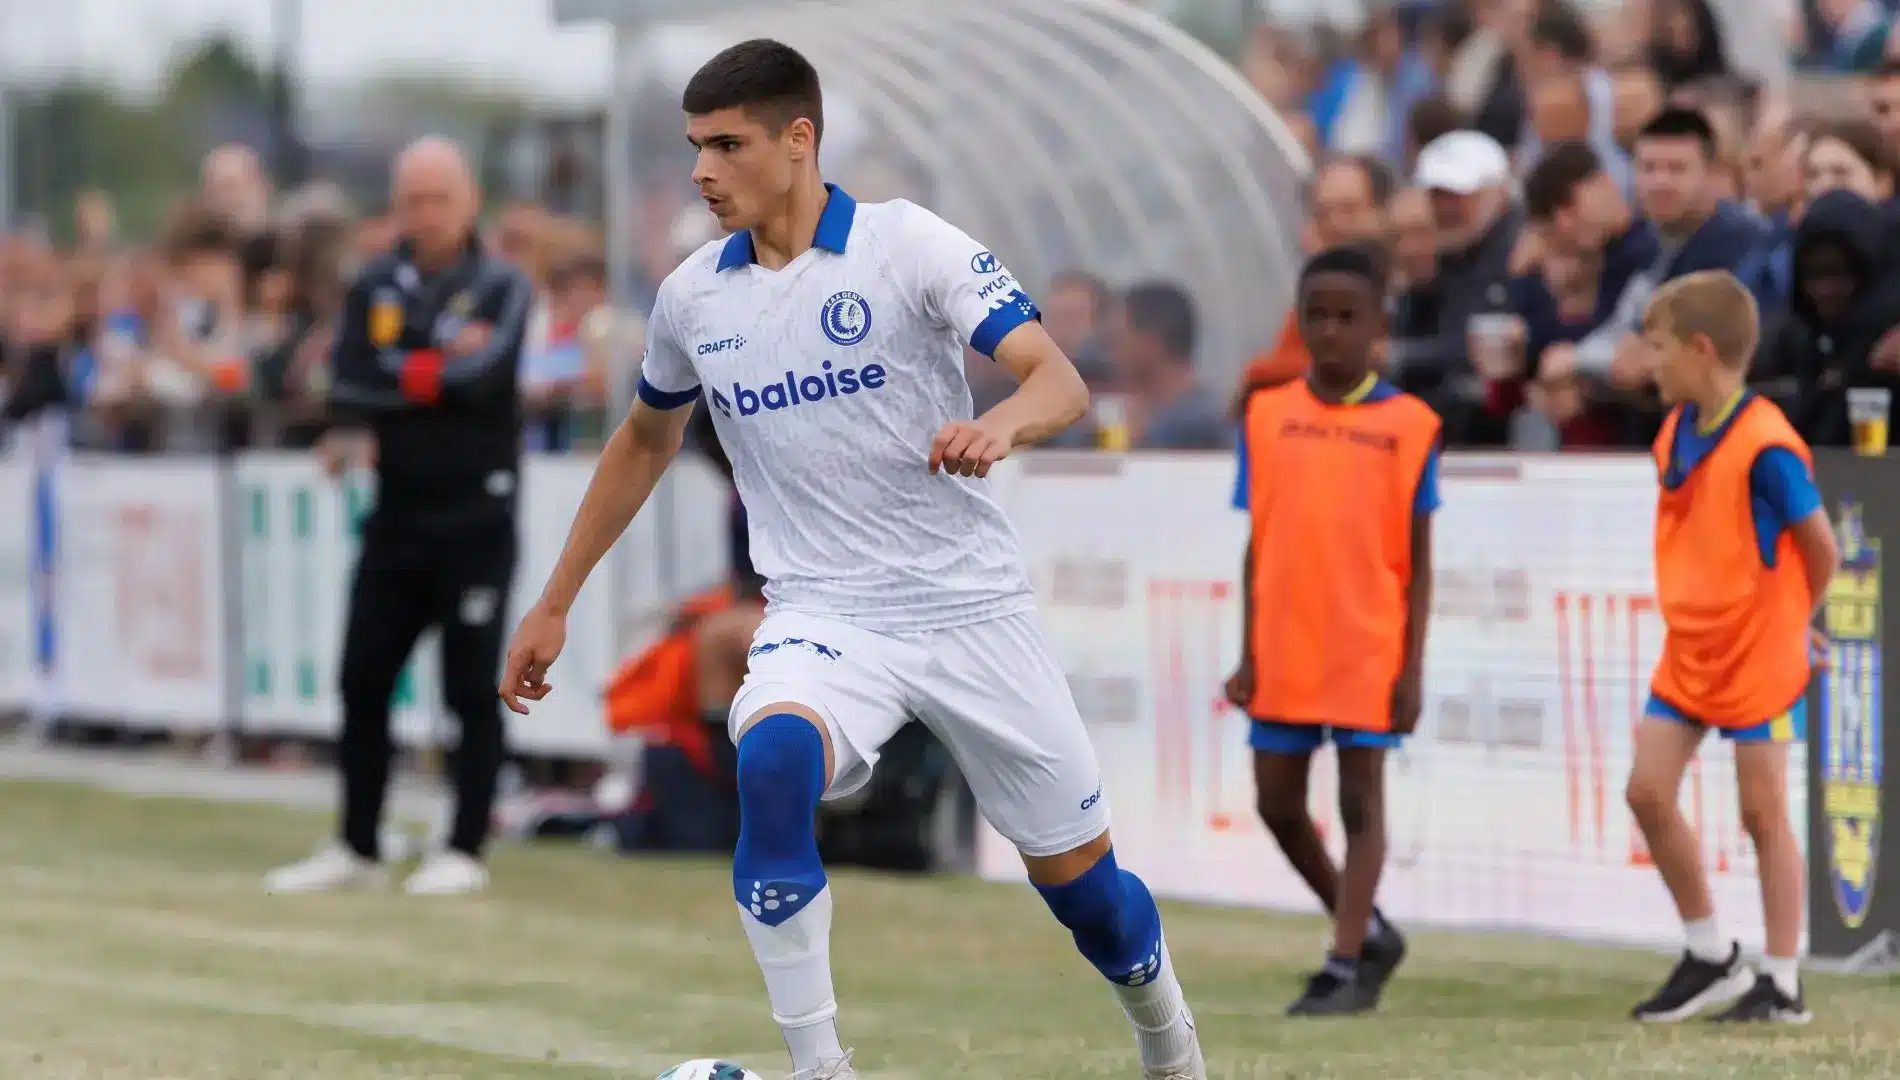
(385, 320)
(1851, 714)
(731, 344)
(846, 318)
(794, 390)
(985, 263)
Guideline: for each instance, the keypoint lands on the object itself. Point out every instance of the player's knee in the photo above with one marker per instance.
(1647, 798)
(1361, 809)
(1113, 918)
(1764, 819)
(1281, 811)
(781, 775)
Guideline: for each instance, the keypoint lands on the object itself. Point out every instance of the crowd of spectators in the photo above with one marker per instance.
(217, 336)
(1531, 175)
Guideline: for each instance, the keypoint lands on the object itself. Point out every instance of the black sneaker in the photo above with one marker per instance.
(1766, 1004)
(1695, 987)
(1378, 958)
(1330, 994)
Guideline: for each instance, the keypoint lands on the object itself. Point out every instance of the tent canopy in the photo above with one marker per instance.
(1067, 135)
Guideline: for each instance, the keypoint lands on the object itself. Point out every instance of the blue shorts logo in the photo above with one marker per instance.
(985, 263)
(846, 318)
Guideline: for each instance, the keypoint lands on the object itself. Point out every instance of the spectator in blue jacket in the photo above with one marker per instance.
(1678, 194)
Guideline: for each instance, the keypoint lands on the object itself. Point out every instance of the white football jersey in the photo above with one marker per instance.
(828, 380)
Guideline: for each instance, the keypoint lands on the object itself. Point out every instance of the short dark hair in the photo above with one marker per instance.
(1166, 311)
(1552, 182)
(1676, 123)
(770, 80)
(1559, 28)
(1433, 116)
(1362, 261)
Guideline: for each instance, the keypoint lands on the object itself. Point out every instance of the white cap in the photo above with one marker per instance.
(1462, 162)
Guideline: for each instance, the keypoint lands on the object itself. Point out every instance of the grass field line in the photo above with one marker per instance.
(100, 882)
(511, 1034)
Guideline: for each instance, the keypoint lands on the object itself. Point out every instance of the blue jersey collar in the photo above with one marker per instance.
(834, 229)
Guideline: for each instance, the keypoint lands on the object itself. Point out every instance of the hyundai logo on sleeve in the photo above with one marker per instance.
(985, 263)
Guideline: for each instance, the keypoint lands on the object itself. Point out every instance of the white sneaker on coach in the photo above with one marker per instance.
(334, 867)
(447, 873)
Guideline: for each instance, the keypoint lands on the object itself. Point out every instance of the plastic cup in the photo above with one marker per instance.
(1867, 410)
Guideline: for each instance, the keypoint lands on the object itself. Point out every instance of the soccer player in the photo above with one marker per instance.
(1744, 552)
(828, 336)
(1339, 471)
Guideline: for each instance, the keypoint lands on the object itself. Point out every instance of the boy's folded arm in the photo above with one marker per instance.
(1820, 552)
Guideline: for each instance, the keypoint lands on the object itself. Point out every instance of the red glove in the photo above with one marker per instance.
(421, 376)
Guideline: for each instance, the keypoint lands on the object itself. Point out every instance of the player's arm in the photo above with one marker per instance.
(961, 285)
(1050, 394)
(633, 460)
(1782, 482)
(1240, 684)
(1408, 697)
(630, 466)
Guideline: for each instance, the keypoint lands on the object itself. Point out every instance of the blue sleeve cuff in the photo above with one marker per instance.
(665, 400)
(1427, 500)
(1016, 309)
(1242, 501)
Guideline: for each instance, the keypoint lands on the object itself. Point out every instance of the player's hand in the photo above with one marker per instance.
(472, 338)
(1239, 686)
(1819, 653)
(1886, 354)
(1408, 700)
(968, 448)
(536, 645)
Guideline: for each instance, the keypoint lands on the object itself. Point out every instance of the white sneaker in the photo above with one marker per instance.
(332, 868)
(831, 1070)
(1195, 1069)
(447, 873)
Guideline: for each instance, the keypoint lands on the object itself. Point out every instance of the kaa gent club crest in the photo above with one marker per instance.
(1851, 714)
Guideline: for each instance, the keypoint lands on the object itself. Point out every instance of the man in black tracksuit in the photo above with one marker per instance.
(424, 384)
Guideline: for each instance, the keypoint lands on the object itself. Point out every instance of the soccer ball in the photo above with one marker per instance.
(709, 1069)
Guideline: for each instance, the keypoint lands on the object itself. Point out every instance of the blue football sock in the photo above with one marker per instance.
(780, 885)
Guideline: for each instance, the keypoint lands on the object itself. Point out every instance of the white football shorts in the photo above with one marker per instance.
(992, 691)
